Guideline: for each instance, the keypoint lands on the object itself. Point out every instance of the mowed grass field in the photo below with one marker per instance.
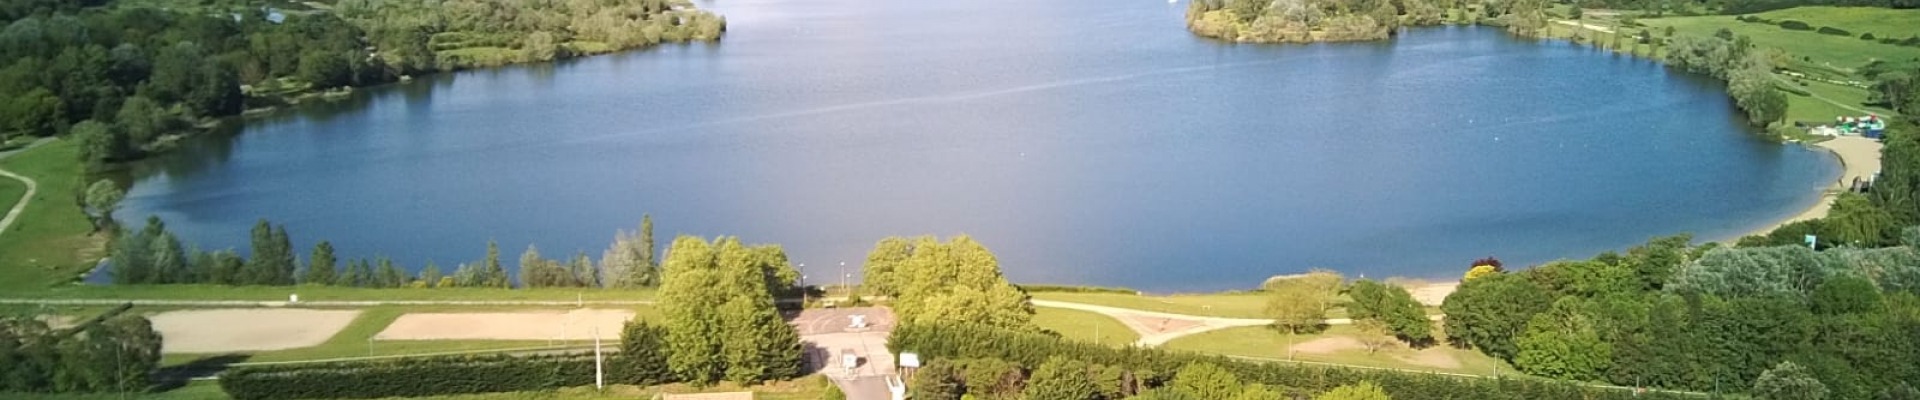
(49, 243)
(1084, 326)
(805, 388)
(1268, 343)
(356, 339)
(1846, 53)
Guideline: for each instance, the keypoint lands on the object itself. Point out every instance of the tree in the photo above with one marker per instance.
(260, 268)
(886, 257)
(1490, 312)
(1298, 305)
(1788, 381)
(642, 360)
(957, 281)
(141, 120)
(1392, 305)
(431, 276)
(1373, 334)
(283, 263)
(1364, 390)
(1563, 343)
(168, 261)
(686, 299)
(389, 275)
(1061, 378)
(494, 276)
(103, 197)
(320, 266)
(583, 272)
(541, 46)
(1206, 381)
(101, 143)
(130, 254)
(629, 262)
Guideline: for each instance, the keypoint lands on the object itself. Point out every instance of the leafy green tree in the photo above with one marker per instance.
(1061, 378)
(541, 46)
(1206, 381)
(260, 269)
(389, 275)
(1563, 343)
(228, 269)
(130, 255)
(1787, 381)
(958, 281)
(1490, 312)
(103, 197)
(691, 288)
(142, 121)
(431, 275)
(169, 261)
(1841, 295)
(101, 143)
(1298, 306)
(938, 380)
(882, 261)
(320, 266)
(494, 275)
(1364, 390)
(643, 360)
(583, 272)
(1394, 306)
(1855, 220)
(629, 262)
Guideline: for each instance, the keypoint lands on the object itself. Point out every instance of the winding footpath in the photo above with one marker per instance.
(32, 187)
(1181, 324)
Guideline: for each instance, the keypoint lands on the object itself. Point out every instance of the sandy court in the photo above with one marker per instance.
(216, 331)
(1432, 294)
(522, 325)
(1328, 345)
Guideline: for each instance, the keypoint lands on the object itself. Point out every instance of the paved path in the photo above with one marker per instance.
(21, 206)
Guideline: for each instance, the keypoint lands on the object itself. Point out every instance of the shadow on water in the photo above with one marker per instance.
(174, 377)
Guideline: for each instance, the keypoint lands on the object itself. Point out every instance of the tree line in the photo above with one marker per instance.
(153, 255)
(117, 354)
(1707, 318)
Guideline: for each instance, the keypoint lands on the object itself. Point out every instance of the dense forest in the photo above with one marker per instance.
(124, 78)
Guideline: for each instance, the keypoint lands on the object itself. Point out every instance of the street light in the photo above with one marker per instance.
(843, 277)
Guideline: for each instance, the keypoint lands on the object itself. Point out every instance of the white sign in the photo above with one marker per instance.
(909, 360)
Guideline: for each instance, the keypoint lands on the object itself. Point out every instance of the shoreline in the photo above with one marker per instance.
(1858, 157)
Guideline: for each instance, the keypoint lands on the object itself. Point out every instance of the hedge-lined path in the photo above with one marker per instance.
(21, 206)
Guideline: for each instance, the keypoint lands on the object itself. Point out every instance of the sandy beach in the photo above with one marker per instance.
(1858, 156)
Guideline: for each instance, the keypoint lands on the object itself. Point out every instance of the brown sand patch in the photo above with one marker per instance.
(1149, 325)
(250, 329)
(524, 325)
(1329, 345)
(1432, 294)
(1432, 358)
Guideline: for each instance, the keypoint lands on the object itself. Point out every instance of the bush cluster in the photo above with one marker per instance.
(963, 341)
(1834, 31)
(1795, 25)
(411, 377)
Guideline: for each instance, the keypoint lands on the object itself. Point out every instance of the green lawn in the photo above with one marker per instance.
(10, 192)
(1268, 343)
(49, 243)
(1234, 304)
(1841, 52)
(1084, 326)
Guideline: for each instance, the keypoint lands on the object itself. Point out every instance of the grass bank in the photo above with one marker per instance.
(1338, 345)
(49, 244)
(1845, 53)
(1084, 326)
(1229, 304)
(805, 388)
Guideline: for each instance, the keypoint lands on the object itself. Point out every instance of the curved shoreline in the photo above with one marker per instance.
(1859, 157)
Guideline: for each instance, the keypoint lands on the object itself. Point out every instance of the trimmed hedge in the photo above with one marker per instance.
(961, 340)
(1795, 25)
(410, 377)
(1866, 36)
(1834, 31)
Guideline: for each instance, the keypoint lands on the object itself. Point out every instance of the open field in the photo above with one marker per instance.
(1846, 53)
(1084, 326)
(1339, 344)
(259, 329)
(49, 243)
(10, 192)
(1234, 305)
(577, 324)
(358, 339)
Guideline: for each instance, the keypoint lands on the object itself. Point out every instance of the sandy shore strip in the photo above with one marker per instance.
(1859, 157)
(229, 330)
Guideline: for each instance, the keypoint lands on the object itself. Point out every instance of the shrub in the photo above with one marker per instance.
(1866, 36)
(1911, 41)
(412, 377)
(1834, 31)
(1795, 25)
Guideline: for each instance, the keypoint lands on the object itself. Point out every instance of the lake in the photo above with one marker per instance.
(1084, 141)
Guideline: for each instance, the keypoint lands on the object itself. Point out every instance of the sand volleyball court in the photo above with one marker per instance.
(251, 329)
(518, 325)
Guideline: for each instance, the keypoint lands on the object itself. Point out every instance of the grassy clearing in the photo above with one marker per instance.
(1084, 326)
(10, 192)
(1265, 342)
(49, 243)
(1233, 304)
(1840, 52)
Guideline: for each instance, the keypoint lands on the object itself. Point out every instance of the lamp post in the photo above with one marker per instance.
(843, 279)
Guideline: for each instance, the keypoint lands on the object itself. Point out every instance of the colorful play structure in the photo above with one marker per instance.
(1870, 126)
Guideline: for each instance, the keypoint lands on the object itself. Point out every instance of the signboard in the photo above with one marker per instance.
(909, 360)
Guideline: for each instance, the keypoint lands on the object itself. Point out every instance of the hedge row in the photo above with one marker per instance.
(1075, 289)
(424, 376)
(1834, 31)
(960, 340)
(1795, 25)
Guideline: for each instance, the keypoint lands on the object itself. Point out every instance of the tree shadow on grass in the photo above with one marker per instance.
(174, 377)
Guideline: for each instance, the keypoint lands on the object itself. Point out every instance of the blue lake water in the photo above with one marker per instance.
(1084, 141)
